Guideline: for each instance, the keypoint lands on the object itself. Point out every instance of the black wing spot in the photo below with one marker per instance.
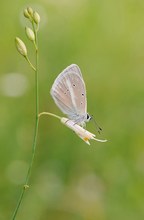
(82, 94)
(73, 84)
(66, 91)
(81, 103)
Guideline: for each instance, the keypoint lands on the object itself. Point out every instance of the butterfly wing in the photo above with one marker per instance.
(69, 92)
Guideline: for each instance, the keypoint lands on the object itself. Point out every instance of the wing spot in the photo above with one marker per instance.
(73, 84)
(82, 94)
(81, 103)
(66, 91)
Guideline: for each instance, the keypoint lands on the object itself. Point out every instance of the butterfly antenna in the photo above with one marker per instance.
(96, 124)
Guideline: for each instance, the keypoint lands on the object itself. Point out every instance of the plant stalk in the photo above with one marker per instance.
(26, 184)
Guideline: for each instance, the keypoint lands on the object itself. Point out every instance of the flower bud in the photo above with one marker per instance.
(36, 17)
(30, 34)
(26, 13)
(21, 47)
(30, 11)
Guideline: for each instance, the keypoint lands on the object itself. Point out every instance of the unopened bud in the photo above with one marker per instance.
(21, 47)
(36, 17)
(30, 34)
(30, 11)
(26, 13)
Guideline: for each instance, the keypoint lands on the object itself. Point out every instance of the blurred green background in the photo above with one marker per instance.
(71, 180)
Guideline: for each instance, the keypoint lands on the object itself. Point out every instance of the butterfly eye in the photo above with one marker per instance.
(88, 116)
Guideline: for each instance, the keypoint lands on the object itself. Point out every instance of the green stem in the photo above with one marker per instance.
(48, 113)
(35, 136)
(26, 57)
(35, 32)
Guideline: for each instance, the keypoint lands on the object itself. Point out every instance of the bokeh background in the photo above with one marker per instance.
(71, 180)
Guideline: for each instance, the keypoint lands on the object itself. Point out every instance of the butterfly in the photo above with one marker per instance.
(69, 94)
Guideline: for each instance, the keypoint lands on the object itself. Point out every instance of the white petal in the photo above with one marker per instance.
(81, 132)
(99, 140)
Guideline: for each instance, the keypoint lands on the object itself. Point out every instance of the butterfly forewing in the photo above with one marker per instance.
(69, 93)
